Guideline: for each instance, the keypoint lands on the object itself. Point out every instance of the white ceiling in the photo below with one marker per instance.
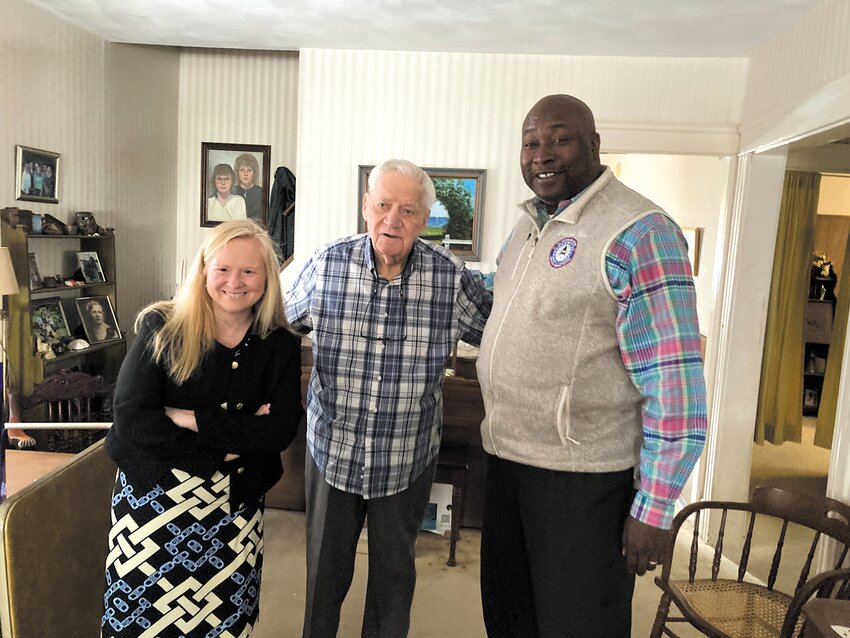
(727, 28)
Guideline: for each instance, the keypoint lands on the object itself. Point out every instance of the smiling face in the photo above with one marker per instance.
(560, 149)
(236, 278)
(394, 217)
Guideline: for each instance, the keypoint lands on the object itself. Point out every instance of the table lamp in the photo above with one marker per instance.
(8, 286)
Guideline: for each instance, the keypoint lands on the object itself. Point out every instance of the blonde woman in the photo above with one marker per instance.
(207, 397)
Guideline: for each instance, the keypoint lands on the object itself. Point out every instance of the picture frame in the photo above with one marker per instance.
(456, 221)
(36, 175)
(49, 324)
(36, 280)
(98, 318)
(90, 267)
(694, 238)
(216, 157)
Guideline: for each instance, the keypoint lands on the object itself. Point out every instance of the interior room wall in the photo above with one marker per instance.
(834, 196)
(110, 112)
(465, 111)
(230, 96)
(692, 190)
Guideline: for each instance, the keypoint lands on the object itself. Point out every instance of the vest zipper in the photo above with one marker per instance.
(533, 244)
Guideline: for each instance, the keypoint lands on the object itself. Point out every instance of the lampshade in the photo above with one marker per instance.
(8, 281)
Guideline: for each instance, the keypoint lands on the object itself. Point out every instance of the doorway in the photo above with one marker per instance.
(804, 467)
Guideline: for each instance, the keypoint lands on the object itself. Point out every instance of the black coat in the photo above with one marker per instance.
(282, 212)
(146, 444)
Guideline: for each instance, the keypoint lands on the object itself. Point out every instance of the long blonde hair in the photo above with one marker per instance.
(190, 330)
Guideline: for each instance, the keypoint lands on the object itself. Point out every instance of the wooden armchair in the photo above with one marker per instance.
(743, 606)
(67, 397)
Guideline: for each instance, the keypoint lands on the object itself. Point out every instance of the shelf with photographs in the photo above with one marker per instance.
(67, 300)
(818, 319)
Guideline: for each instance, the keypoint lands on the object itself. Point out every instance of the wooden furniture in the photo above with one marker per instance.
(818, 332)
(822, 613)
(66, 397)
(452, 467)
(56, 254)
(53, 550)
(463, 411)
(742, 607)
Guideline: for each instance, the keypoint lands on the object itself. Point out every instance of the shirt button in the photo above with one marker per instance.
(241, 470)
(224, 405)
(234, 365)
(241, 506)
(379, 377)
(239, 406)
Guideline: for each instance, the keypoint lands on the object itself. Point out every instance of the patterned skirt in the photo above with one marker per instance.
(180, 563)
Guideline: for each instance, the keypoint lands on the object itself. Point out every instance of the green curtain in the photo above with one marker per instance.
(829, 392)
(779, 416)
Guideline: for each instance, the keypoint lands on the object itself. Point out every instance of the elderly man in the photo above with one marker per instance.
(385, 309)
(591, 375)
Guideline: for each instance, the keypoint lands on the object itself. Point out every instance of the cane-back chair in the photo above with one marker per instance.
(747, 604)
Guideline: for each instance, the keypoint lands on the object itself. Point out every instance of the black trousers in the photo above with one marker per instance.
(334, 521)
(551, 561)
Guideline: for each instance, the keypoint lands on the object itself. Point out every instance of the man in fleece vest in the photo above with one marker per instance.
(593, 387)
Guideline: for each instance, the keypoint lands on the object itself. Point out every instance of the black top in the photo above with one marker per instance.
(225, 392)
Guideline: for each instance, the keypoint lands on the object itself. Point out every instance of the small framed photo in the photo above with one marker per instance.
(90, 267)
(98, 318)
(693, 236)
(35, 274)
(36, 175)
(234, 182)
(49, 324)
(456, 216)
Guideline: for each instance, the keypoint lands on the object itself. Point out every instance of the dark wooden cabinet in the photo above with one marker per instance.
(818, 332)
(463, 410)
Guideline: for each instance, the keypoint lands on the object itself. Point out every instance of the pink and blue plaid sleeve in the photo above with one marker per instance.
(658, 332)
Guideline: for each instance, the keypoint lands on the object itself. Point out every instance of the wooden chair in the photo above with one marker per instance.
(743, 606)
(68, 397)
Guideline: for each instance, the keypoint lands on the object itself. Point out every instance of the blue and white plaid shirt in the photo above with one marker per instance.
(375, 398)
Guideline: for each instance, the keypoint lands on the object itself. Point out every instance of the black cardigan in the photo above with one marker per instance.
(225, 392)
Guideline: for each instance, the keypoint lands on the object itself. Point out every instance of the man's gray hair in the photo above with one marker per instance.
(411, 170)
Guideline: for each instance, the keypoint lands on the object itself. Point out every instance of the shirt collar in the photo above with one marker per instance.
(367, 258)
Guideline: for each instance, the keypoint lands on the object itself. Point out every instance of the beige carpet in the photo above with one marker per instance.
(798, 467)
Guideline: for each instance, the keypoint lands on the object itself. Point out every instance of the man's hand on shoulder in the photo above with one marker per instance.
(644, 546)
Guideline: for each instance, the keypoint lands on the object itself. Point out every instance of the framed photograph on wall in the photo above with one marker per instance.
(234, 182)
(35, 274)
(455, 219)
(98, 318)
(49, 324)
(36, 175)
(90, 267)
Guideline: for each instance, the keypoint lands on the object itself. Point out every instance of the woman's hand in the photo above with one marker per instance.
(263, 410)
(182, 418)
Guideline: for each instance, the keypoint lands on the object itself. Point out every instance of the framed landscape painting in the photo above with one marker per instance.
(455, 219)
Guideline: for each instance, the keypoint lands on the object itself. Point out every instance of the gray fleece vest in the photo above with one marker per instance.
(556, 392)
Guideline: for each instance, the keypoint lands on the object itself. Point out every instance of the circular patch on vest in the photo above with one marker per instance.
(563, 252)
